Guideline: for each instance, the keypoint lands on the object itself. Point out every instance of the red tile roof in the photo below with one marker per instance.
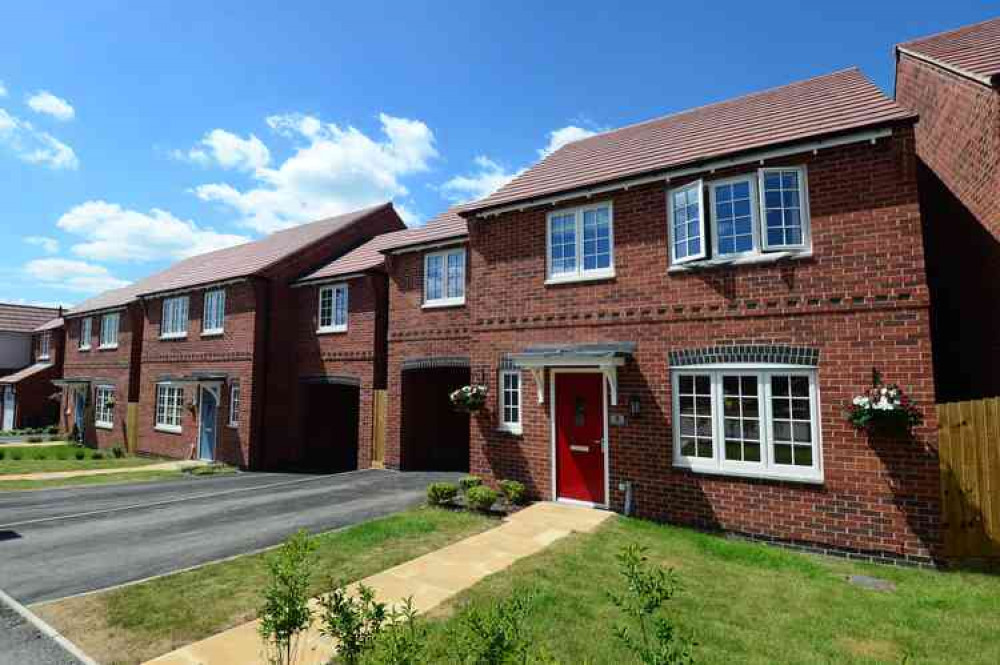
(24, 318)
(446, 226)
(231, 263)
(822, 106)
(25, 373)
(974, 49)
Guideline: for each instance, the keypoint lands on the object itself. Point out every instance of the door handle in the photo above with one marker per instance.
(579, 449)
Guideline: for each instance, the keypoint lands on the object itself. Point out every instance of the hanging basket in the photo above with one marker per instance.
(469, 399)
(884, 411)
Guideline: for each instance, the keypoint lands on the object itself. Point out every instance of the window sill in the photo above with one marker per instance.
(754, 259)
(331, 331)
(107, 426)
(173, 336)
(594, 277)
(513, 431)
(233, 425)
(213, 333)
(168, 429)
(439, 304)
(83, 349)
(43, 358)
(107, 347)
(807, 479)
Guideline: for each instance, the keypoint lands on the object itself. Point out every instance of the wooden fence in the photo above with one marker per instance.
(380, 408)
(969, 449)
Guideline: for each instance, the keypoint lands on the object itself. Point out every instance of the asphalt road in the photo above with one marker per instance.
(57, 543)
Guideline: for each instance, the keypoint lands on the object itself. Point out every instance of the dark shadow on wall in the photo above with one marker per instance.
(963, 273)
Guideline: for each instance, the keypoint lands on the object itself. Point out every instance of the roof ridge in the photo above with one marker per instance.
(944, 33)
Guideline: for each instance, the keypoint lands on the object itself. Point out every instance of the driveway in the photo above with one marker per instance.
(57, 543)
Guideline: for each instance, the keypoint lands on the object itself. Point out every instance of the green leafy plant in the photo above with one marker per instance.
(468, 482)
(35, 439)
(80, 454)
(353, 620)
(403, 641)
(118, 452)
(97, 455)
(3, 453)
(496, 635)
(513, 491)
(63, 454)
(285, 613)
(439, 494)
(17, 455)
(481, 498)
(653, 638)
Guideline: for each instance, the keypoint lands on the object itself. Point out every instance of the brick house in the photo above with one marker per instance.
(952, 81)
(218, 345)
(31, 345)
(103, 340)
(672, 317)
(429, 345)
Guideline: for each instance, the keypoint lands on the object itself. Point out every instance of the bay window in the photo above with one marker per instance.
(581, 243)
(444, 278)
(747, 421)
(333, 308)
(174, 321)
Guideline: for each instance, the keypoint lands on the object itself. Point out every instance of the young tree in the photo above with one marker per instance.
(285, 613)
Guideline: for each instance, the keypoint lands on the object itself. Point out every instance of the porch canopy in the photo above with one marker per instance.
(605, 357)
(27, 372)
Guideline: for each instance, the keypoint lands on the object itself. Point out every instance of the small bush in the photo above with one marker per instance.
(62, 454)
(97, 455)
(481, 498)
(513, 491)
(469, 482)
(3, 453)
(496, 634)
(36, 439)
(17, 455)
(80, 454)
(354, 622)
(403, 640)
(439, 494)
(118, 452)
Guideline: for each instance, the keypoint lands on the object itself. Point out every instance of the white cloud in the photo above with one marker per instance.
(228, 150)
(488, 178)
(46, 103)
(48, 245)
(560, 137)
(114, 233)
(334, 170)
(69, 275)
(3, 89)
(35, 146)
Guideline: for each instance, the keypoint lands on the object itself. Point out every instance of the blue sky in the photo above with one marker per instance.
(133, 134)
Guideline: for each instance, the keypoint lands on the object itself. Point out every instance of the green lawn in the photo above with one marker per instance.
(138, 476)
(139, 622)
(748, 603)
(62, 457)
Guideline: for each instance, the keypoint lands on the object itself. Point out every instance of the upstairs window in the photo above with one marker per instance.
(174, 322)
(45, 346)
(510, 401)
(581, 243)
(213, 318)
(747, 216)
(104, 407)
(333, 308)
(86, 332)
(444, 278)
(109, 330)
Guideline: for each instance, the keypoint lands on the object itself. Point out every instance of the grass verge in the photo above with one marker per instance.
(747, 603)
(62, 457)
(135, 623)
(83, 481)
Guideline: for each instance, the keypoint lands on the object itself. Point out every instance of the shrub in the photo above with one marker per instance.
(17, 455)
(52, 429)
(647, 591)
(118, 452)
(497, 634)
(35, 439)
(80, 454)
(97, 455)
(439, 494)
(481, 498)
(285, 612)
(468, 482)
(62, 454)
(513, 491)
(3, 453)
(403, 641)
(354, 621)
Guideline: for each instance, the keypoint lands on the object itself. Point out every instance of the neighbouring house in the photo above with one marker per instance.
(952, 81)
(673, 317)
(30, 358)
(429, 345)
(217, 364)
(100, 377)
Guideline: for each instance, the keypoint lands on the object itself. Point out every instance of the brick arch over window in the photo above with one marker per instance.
(746, 353)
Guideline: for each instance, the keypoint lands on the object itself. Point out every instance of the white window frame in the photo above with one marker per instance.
(766, 468)
(504, 425)
(581, 274)
(45, 346)
(106, 328)
(444, 300)
(104, 417)
(755, 219)
(163, 418)
(235, 402)
(700, 184)
(804, 216)
(86, 334)
(174, 317)
(213, 312)
(333, 326)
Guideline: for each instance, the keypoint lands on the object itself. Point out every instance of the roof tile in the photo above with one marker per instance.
(974, 49)
(24, 318)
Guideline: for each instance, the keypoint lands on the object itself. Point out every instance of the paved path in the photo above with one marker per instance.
(429, 580)
(57, 475)
(56, 543)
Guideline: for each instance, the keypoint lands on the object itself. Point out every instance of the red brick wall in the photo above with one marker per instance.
(862, 300)
(415, 332)
(958, 135)
(230, 353)
(111, 366)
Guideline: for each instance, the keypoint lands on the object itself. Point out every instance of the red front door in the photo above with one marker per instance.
(580, 437)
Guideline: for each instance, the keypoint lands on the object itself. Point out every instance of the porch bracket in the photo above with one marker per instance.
(605, 358)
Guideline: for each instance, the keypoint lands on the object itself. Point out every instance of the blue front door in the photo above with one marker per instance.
(79, 411)
(209, 411)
